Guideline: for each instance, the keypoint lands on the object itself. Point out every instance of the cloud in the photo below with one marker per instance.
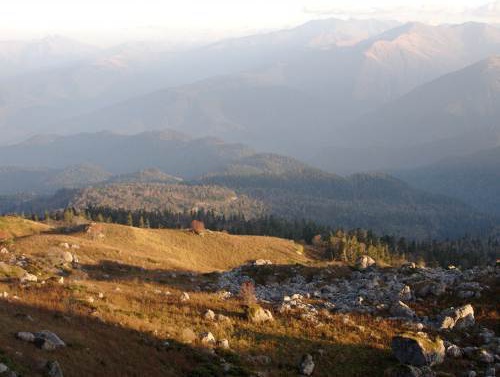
(431, 12)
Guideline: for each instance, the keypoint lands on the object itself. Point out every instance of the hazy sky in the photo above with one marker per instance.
(111, 21)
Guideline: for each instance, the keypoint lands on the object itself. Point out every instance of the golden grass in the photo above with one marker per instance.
(122, 333)
(18, 227)
(169, 249)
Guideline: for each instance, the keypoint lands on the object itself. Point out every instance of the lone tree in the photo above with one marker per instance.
(197, 226)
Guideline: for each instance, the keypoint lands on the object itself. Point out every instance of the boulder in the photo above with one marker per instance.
(364, 262)
(460, 318)
(48, 341)
(306, 366)
(26, 336)
(418, 349)
(257, 314)
(28, 278)
(3, 368)
(67, 257)
(400, 309)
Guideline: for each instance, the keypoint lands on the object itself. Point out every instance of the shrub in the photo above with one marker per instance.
(247, 293)
(197, 226)
(4, 236)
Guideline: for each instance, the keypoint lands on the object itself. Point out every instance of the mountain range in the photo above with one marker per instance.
(230, 178)
(375, 87)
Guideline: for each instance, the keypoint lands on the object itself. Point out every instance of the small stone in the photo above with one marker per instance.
(209, 315)
(222, 318)
(259, 360)
(306, 366)
(28, 278)
(67, 257)
(486, 357)
(54, 369)
(3, 368)
(185, 297)
(454, 351)
(207, 338)
(364, 262)
(26, 336)
(262, 262)
(400, 309)
(223, 343)
(490, 372)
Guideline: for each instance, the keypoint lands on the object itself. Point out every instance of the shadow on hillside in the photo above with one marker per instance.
(95, 348)
(188, 280)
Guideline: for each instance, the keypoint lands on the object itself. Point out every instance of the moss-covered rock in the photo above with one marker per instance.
(255, 313)
(418, 349)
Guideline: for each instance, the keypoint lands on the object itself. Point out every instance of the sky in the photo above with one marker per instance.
(113, 21)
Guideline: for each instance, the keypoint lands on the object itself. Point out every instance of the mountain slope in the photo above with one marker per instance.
(168, 151)
(371, 201)
(32, 104)
(320, 90)
(458, 113)
(474, 179)
(21, 57)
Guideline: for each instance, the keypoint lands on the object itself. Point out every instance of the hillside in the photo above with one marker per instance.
(177, 198)
(264, 184)
(371, 201)
(160, 292)
(474, 179)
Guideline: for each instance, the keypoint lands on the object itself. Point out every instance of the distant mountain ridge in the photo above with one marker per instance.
(473, 179)
(457, 114)
(332, 92)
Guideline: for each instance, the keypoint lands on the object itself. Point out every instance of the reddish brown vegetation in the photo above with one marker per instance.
(197, 226)
(247, 293)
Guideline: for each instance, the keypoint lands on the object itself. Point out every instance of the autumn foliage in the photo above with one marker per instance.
(197, 226)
